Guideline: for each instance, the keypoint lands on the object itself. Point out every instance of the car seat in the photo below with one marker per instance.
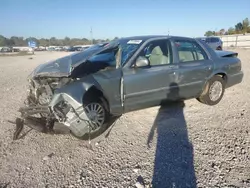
(157, 57)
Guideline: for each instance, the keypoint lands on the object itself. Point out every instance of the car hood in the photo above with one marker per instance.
(55, 68)
(62, 67)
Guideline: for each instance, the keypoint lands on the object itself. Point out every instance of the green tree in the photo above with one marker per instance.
(10, 42)
(53, 41)
(245, 25)
(85, 41)
(239, 27)
(209, 33)
(66, 41)
(3, 41)
(248, 29)
(18, 41)
(222, 32)
(44, 42)
(231, 31)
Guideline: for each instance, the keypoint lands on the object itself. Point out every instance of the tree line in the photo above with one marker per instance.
(240, 28)
(53, 41)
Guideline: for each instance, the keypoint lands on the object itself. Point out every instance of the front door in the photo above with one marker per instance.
(149, 85)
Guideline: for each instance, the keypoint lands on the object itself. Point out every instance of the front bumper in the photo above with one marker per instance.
(63, 109)
(71, 113)
(41, 124)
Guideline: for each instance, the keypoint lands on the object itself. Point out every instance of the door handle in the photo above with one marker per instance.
(172, 73)
(172, 66)
(209, 68)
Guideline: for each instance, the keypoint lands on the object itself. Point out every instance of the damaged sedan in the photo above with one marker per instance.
(85, 90)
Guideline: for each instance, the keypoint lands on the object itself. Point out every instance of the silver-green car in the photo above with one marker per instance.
(86, 90)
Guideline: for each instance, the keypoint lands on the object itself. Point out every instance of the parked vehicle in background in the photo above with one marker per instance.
(85, 48)
(78, 48)
(201, 38)
(40, 49)
(214, 42)
(59, 48)
(6, 49)
(85, 90)
(72, 49)
(51, 48)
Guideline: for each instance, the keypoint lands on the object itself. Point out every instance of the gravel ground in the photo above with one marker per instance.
(181, 146)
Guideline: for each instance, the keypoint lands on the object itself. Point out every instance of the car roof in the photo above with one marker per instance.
(212, 37)
(147, 37)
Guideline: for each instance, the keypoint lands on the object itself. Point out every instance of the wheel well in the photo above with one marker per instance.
(94, 93)
(223, 75)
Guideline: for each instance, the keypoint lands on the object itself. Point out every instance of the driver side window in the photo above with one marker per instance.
(158, 52)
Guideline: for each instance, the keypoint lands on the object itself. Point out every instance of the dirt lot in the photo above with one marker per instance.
(191, 146)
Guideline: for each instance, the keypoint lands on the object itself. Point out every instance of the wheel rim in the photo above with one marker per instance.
(215, 91)
(96, 113)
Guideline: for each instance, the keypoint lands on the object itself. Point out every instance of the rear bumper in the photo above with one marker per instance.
(234, 79)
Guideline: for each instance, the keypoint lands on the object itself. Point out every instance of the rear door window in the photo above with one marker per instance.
(189, 51)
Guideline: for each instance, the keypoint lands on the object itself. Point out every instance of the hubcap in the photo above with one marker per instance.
(96, 114)
(215, 91)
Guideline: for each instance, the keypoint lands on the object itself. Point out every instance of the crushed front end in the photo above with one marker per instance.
(43, 107)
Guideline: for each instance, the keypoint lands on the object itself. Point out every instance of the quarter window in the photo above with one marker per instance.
(189, 51)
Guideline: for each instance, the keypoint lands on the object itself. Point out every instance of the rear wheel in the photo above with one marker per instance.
(213, 91)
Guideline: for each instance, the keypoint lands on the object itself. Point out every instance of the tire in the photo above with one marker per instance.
(95, 129)
(219, 48)
(218, 84)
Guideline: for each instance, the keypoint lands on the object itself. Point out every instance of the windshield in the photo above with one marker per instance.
(128, 48)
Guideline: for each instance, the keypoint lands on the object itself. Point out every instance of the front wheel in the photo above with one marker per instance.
(213, 91)
(96, 111)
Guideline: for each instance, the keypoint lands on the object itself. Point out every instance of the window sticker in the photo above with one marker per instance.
(134, 42)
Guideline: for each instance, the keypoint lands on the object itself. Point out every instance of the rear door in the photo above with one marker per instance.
(194, 67)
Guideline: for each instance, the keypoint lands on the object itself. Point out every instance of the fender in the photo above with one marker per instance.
(77, 89)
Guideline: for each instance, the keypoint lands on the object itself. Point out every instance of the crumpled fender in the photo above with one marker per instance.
(76, 89)
(76, 118)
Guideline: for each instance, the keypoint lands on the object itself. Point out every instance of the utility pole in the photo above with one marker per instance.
(91, 35)
(168, 32)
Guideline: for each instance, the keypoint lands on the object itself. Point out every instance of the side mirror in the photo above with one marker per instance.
(141, 62)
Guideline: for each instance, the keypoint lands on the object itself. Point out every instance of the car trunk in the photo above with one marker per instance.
(226, 53)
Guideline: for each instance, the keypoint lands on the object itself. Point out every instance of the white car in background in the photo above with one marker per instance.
(214, 42)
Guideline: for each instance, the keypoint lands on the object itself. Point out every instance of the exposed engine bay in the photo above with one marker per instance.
(36, 113)
(41, 91)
